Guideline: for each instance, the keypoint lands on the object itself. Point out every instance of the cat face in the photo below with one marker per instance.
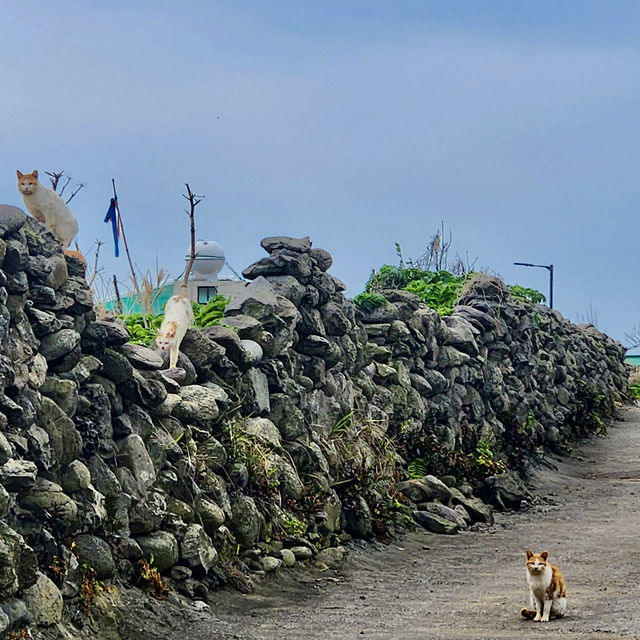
(164, 339)
(27, 182)
(536, 562)
(163, 343)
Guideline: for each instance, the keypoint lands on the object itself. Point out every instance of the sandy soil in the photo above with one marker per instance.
(472, 585)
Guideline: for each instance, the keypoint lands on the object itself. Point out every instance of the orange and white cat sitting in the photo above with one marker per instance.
(46, 206)
(547, 589)
(178, 317)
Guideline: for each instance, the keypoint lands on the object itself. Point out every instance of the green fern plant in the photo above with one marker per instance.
(417, 468)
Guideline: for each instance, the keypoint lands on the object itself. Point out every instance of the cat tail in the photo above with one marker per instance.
(527, 613)
(76, 254)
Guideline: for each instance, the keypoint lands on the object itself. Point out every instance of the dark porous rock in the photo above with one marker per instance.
(116, 366)
(76, 477)
(477, 510)
(197, 550)
(161, 548)
(147, 512)
(247, 327)
(42, 295)
(199, 404)
(144, 389)
(358, 520)
(76, 267)
(58, 344)
(282, 262)
(17, 282)
(133, 454)
(44, 601)
(275, 243)
(246, 521)
(77, 290)
(460, 334)
(435, 523)
(203, 352)
(479, 319)
(94, 339)
(383, 314)
(93, 419)
(40, 448)
(444, 512)
(95, 553)
(258, 299)
(334, 319)
(173, 378)
(12, 219)
(63, 392)
(230, 341)
(18, 562)
(313, 345)
(65, 439)
(338, 284)
(505, 491)
(288, 287)
(332, 557)
(141, 357)
(16, 257)
(310, 323)
(325, 286)
(40, 239)
(59, 272)
(43, 322)
(425, 489)
(321, 259)
(116, 332)
(286, 416)
(18, 475)
(50, 496)
(6, 450)
(484, 287)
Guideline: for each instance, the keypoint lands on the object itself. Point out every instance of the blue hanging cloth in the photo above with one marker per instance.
(112, 216)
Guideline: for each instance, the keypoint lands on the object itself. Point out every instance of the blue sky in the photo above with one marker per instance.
(357, 123)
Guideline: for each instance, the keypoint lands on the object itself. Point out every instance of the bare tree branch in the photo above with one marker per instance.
(194, 200)
(54, 178)
(96, 270)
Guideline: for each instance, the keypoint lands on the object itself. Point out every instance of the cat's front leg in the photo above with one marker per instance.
(174, 351)
(546, 611)
(538, 605)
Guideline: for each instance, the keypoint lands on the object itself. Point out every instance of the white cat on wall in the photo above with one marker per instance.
(178, 317)
(47, 207)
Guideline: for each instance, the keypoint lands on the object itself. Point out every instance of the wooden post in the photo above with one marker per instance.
(126, 248)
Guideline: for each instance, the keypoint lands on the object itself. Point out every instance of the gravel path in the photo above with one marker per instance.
(472, 585)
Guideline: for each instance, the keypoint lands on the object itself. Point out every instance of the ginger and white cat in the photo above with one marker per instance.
(46, 206)
(178, 317)
(547, 589)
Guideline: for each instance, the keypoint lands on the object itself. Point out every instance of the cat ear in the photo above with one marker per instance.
(19, 174)
(172, 333)
(544, 555)
(35, 174)
(529, 553)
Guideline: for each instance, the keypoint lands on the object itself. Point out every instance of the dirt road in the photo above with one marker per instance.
(472, 585)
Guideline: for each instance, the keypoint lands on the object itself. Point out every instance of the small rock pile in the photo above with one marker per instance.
(283, 432)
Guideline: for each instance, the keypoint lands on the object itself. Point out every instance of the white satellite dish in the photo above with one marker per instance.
(208, 262)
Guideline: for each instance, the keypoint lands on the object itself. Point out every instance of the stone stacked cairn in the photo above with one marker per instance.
(287, 431)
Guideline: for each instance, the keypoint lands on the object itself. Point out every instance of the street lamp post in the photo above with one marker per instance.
(549, 268)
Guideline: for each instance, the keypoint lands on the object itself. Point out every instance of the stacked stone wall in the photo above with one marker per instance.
(285, 431)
